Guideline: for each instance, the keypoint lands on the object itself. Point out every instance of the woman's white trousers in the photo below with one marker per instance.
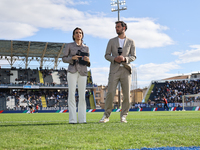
(73, 79)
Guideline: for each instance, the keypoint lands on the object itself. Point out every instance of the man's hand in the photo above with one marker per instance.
(120, 59)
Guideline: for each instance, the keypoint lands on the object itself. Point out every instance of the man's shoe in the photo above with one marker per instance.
(123, 119)
(104, 119)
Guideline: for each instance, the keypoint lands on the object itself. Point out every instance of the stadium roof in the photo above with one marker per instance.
(178, 77)
(30, 49)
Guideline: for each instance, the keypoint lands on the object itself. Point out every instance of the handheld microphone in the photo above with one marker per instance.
(119, 50)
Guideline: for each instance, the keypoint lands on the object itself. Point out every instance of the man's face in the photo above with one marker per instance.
(119, 29)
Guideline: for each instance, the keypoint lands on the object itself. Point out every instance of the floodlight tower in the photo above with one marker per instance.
(116, 6)
(134, 84)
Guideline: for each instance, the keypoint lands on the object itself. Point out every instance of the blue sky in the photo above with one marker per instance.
(166, 32)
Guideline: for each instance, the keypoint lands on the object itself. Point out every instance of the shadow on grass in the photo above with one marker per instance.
(55, 124)
(33, 124)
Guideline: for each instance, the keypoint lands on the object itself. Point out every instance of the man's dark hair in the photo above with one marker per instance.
(123, 24)
(77, 28)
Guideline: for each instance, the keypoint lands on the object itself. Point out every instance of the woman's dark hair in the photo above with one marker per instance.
(123, 24)
(77, 28)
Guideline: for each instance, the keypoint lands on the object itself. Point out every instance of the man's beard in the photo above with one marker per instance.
(119, 33)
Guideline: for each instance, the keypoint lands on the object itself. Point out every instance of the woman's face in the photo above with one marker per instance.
(78, 35)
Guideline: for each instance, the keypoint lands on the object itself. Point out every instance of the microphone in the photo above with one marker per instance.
(119, 50)
(79, 54)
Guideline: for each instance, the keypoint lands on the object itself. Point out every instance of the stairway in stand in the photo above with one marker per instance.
(41, 77)
(44, 103)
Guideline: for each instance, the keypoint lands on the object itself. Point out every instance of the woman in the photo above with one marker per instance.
(77, 72)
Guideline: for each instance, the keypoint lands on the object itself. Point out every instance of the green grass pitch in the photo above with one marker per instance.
(144, 129)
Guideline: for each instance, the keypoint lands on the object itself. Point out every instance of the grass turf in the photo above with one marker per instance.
(144, 129)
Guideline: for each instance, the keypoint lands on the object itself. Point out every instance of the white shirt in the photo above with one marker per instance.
(28, 102)
(121, 42)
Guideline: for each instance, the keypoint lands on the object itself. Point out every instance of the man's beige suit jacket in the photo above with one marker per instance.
(128, 52)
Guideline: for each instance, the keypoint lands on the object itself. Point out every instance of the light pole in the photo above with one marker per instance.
(134, 83)
(116, 6)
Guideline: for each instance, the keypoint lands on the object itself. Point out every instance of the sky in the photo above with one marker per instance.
(166, 32)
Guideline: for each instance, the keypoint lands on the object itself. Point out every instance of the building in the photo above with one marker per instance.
(100, 93)
(137, 95)
(100, 96)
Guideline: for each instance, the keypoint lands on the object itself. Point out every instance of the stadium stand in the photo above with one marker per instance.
(41, 77)
(48, 79)
(33, 75)
(149, 92)
(3, 96)
(173, 90)
(5, 76)
(2, 103)
(46, 87)
(44, 103)
(22, 101)
(10, 102)
(63, 76)
(55, 77)
(14, 76)
(35, 83)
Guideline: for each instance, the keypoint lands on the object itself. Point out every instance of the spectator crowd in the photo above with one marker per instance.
(174, 90)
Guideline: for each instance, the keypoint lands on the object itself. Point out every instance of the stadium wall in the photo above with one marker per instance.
(59, 110)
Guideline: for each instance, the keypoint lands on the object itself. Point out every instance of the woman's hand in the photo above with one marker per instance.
(75, 57)
(86, 58)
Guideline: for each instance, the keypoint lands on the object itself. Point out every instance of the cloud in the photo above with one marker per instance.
(188, 56)
(100, 75)
(145, 73)
(140, 84)
(152, 71)
(147, 33)
(27, 17)
(148, 72)
(70, 2)
(13, 30)
(155, 71)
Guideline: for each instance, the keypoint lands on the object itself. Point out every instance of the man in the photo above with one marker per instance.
(120, 70)
(165, 102)
(29, 104)
(37, 108)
